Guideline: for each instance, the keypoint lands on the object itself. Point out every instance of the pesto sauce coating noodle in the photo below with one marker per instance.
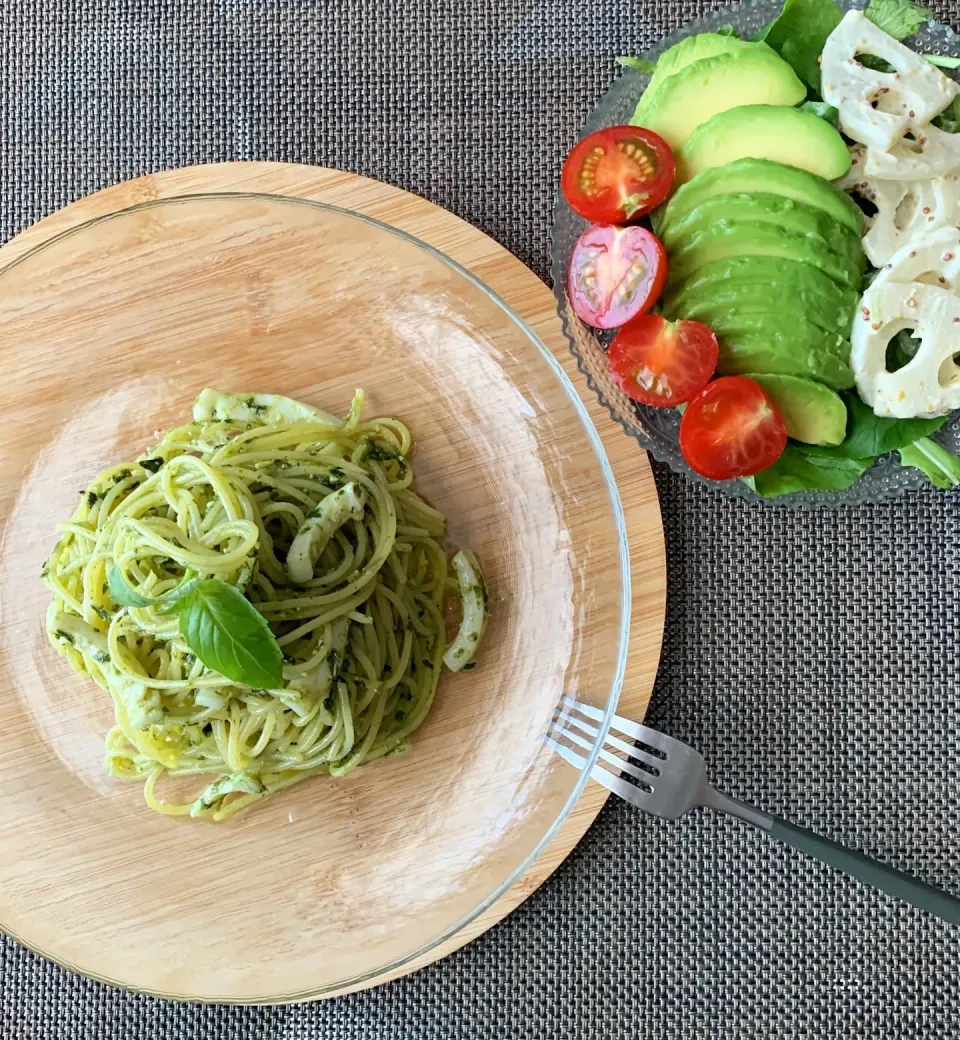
(226, 497)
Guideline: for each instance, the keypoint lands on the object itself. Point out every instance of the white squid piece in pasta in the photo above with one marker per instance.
(473, 596)
(906, 98)
(319, 680)
(321, 524)
(266, 408)
(213, 794)
(77, 632)
(141, 703)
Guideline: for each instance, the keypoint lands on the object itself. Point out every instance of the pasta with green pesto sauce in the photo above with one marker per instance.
(263, 596)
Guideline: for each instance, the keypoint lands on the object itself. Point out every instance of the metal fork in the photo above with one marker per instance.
(669, 779)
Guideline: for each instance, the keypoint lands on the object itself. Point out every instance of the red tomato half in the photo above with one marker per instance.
(661, 362)
(615, 274)
(618, 174)
(731, 429)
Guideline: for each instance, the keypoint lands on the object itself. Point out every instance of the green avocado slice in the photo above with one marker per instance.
(794, 303)
(768, 277)
(751, 176)
(710, 86)
(763, 208)
(756, 239)
(784, 333)
(811, 412)
(743, 353)
(764, 131)
(686, 52)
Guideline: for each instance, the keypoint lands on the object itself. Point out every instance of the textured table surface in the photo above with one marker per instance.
(811, 657)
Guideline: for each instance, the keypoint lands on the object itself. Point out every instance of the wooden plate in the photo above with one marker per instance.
(269, 277)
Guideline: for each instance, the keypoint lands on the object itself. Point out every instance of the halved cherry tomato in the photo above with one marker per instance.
(618, 174)
(615, 274)
(661, 362)
(731, 429)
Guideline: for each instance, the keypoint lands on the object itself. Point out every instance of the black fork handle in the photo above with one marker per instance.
(870, 871)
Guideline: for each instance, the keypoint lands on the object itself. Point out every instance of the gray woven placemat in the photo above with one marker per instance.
(812, 657)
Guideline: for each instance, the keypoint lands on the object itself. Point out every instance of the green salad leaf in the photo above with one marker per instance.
(801, 29)
(869, 435)
(900, 19)
(901, 350)
(897, 18)
(807, 468)
(640, 64)
(228, 634)
(942, 467)
(726, 30)
(798, 34)
(824, 111)
(943, 61)
(949, 118)
(871, 61)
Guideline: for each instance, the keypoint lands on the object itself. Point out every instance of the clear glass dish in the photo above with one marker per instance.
(107, 334)
(655, 429)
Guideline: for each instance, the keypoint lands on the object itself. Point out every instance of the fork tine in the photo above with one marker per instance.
(627, 791)
(582, 724)
(577, 761)
(648, 736)
(612, 741)
(634, 730)
(630, 729)
(607, 756)
(561, 726)
(587, 709)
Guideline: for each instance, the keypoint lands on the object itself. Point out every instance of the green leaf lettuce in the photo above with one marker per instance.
(897, 18)
(940, 466)
(798, 34)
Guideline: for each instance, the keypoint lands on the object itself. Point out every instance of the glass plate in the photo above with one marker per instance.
(655, 429)
(107, 334)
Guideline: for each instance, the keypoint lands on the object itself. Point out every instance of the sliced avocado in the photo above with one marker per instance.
(712, 85)
(742, 354)
(757, 298)
(828, 304)
(686, 52)
(725, 241)
(811, 412)
(766, 131)
(762, 175)
(763, 208)
(783, 332)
